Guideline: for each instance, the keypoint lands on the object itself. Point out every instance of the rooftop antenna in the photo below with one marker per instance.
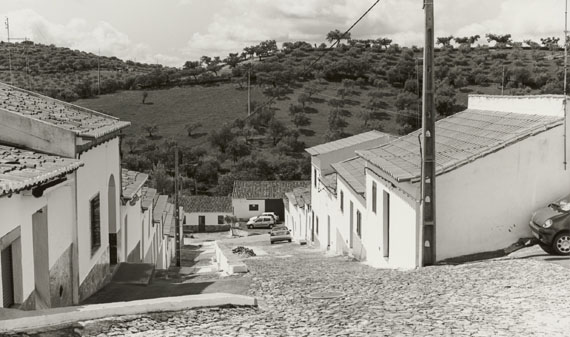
(565, 75)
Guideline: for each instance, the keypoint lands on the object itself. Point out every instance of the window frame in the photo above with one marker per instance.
(341, 201)
(374, 197)
(254, 207)
(220, 219)
(359, 223)
(95, 233)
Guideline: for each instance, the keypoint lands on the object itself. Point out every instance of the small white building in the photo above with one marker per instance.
(325, 202)
(251, 198)
(205, 213)
(50, 126)
(298, 215)
(164, 219)
(37, 230)
(130, 246)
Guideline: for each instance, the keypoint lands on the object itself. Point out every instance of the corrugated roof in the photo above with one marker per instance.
(353, 172)
(329, 181)
(346, 142)
(148, 196)
(132, 182)
(21, 169)
(460, 138)
(265, 189)
(206, 204)
(74, 118)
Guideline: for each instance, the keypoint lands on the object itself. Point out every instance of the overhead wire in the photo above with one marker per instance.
(308, 68)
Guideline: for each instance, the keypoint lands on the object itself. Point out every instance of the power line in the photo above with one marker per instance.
(308, 68)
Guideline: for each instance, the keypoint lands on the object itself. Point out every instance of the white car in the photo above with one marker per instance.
(261, 221)
(270, 214)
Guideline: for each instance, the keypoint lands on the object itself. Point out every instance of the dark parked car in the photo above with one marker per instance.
(551, 226)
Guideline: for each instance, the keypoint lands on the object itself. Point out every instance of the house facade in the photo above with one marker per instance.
(37, 230)
(497, 162)
(251, 198)
(134, 219)
(206, 214)
(50, 126)
(298, 215)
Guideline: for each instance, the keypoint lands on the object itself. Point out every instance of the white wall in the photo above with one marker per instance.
(241, 208)
(18, 210)
(100, 162)
(211, 218)
(403, 239)
(343, 220)
(324, 205)
(132, 220)
(487, 204)
(549, 105)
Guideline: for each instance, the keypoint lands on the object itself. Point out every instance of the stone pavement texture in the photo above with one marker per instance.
(508, 297)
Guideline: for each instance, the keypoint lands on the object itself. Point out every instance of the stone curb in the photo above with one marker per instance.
(53, 318)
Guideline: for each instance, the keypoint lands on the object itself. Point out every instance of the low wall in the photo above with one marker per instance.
(227, 261)
(209, 228)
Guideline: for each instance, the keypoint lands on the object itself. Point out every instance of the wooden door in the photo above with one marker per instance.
(7, 277)
(201, 223)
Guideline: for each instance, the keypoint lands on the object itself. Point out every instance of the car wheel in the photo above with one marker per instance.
(270, 226)
(250, 227)
(561, 244)
(289, 240)
(547, 248)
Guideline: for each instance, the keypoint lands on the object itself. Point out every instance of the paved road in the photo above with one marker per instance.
(536, 253)
(509, 297)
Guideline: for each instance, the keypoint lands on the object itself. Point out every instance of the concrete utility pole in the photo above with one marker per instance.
(428, 131)
(177, 207)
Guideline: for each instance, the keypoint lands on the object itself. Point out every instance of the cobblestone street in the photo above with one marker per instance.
(491, 298)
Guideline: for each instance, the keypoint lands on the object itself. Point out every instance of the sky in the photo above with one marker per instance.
(171, 32)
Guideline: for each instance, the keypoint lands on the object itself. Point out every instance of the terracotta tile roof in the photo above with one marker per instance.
(353, 172)
(265, 189)
(21, 169)
(206, 204)
(132, 182)
(347, 142)
(329, 181)
(460, 139)
(74, 118)
(159, 208)
(148, 197)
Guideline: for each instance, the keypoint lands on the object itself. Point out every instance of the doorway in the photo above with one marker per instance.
(201, 223)
(7, 277)
(112, 220)
(351, 227)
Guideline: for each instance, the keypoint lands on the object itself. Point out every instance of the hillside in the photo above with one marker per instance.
(298, 102)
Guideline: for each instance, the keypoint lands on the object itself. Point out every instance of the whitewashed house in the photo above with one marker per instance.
(497, 162)
(163, 217)
(134, 219)
(298, 215)
(205, 213)
(325, 201)
(47, 125)
(251, 198)
(37, 230)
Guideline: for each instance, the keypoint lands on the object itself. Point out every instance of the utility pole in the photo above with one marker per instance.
(565, 77)
(428, 132)
(99, 73)
(248, 90)
(503, 81)
(177, 206)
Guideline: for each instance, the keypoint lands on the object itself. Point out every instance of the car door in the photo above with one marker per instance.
(258, 223)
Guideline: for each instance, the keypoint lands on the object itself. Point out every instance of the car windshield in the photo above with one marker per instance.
(562, 204)
(282, 228)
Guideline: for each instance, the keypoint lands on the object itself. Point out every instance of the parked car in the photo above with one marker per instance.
(551, 226)
(271, 214)
(280, 233)
(261, 221)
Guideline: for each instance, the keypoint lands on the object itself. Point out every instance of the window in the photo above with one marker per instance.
(317, 225)
(253, 207)
(95, 219)
(358, 223)
(374, 191)
(220, 219)
(315, 174)
(386, 224)
(341, 201)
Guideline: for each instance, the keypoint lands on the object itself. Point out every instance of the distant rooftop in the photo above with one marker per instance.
(346, 142)
(132, 182)
(302, 196)
(329, 181)
(353, 172)
(460, 139)
(160, 208)
(148, 197)
(22, 169)
(265, 189)
(82, 121)
(206, 204)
